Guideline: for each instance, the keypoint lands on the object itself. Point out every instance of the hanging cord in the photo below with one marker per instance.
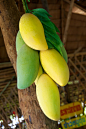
(7, 85)
(25, 6)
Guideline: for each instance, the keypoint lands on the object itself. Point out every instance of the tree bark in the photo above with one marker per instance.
(34, 117)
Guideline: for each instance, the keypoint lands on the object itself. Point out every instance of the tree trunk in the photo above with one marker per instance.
(34, 117)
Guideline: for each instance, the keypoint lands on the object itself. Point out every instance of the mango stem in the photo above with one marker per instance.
(25, 6)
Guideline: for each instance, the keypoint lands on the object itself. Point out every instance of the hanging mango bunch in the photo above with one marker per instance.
(41, 58)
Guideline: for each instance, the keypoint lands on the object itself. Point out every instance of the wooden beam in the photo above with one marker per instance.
(45, 5)
(77, 54)
(78, 6)
(68, 22)
(7, 64)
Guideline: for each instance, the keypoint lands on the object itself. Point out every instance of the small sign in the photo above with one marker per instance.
(70, 110)
(74, 123)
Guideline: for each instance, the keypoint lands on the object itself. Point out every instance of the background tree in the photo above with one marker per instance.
(9, 20)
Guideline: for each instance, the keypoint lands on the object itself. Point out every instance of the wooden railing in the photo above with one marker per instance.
(76, 88)
(77, 67)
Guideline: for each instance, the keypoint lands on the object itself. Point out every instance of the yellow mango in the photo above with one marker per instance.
(39, 73)
(55, 66)
(48, 97)
(32, 32)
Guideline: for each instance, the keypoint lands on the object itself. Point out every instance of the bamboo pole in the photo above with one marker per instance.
(68, 22)
(77, 54)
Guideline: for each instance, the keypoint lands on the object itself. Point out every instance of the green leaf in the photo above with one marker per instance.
(41, 16)
(54, 36)
(48, 24)
(57, 30)
(47, 28)
(50, 29)
(57, 47)
(50, 45)
(41, 10)
(49, 39)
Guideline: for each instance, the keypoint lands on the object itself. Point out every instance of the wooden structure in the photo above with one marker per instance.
(76, 48)
(8, 92)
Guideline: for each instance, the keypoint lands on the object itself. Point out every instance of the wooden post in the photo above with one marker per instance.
(68, 22)
(45, 5)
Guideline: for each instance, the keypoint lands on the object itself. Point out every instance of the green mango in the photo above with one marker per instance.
(27, 66)
(19, 42)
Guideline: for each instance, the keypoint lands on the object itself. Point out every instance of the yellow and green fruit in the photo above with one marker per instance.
(55, 66)
(27, 66)
(32, 32)
(48, 97)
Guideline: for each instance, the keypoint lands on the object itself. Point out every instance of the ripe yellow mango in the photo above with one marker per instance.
(39, 73)
(32, 32)
(27, 66)
(55, 66)
(48, 97)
